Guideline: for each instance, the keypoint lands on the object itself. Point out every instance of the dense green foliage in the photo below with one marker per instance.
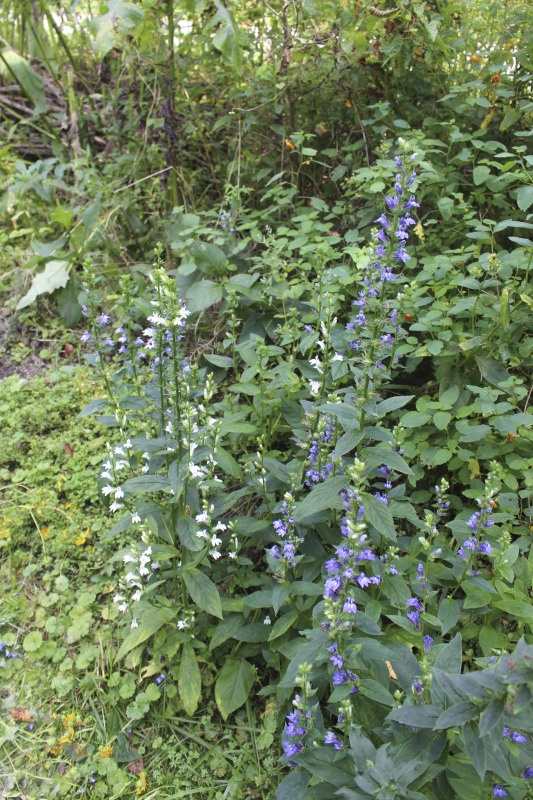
(316, 434)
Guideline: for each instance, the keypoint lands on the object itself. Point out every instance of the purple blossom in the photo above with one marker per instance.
(498, 791)
(332, 587)
(414, 602)
(528, 773)
(339, 677)
(349, 606)
(86, 337)
(414, 617)
(330, 738)
(103, 319)
(428, 641)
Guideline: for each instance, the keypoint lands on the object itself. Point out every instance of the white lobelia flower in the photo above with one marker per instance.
(181, 624)
(136, 596)
(128, 445)
(134, 623)
(106, 474)
(316, 363)
(135, 518)
(107, 490)
(220, 527)
(115, 506)
(145, 469)
(338, 357)
(129, 559)
(201, 534)
(196, 471)
(215, 541)
(215, 554)
(267, 621)
(314, 387)
(118, 598)
(123, 607)
(119, 492)
(203, 517)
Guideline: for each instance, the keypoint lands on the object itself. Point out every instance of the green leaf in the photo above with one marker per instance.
(32, 641)
(491, 716)
(203, 591)
(283, 624)
(375, 691)
(445, 206)
(187, 529)
(147, 483)
(471, 433)
(325, 495)
(505, 313)
(151, 621)
(517, 608)
(415, 419)
(233, 685)
(14, 65)
(225, 630)
(480, 174)
(457, 714)
(203, 294)
(379, 516)
(376, 457)
(189, 679)
(442, 419)
(227, 38)
(54, 276)
(434, 346)
(418, 716)
(475, 749)
(524, 197)
(120, 19)
(449, 610)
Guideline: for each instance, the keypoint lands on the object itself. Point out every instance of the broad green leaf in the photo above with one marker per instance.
(325, 495)
(14, 65)
(448, 614)
(491, 716)
(254, 632)
(471, 433)
(227, 37)
(524, 197)
(475, 749)
(283, 624)
(120, 19)
(203, 294)
(376, 457)
(415, 419)
(480, 174)
(442, 419)
(54, 276)
(379, 516)
(152, 620)
(417, 716)
(189, 679)
(209, 258)
(375, 691)
(187, 529)
(32, 641)
(225, 630)
(233, 685)
(457, 714)
(517, 608)
(203, 591)
(147, 483)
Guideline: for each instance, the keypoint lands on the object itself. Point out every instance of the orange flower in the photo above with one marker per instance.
(475, 59)
(289, 145)
(496, 78)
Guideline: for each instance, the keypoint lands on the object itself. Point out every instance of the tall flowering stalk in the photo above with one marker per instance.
(356, 563)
